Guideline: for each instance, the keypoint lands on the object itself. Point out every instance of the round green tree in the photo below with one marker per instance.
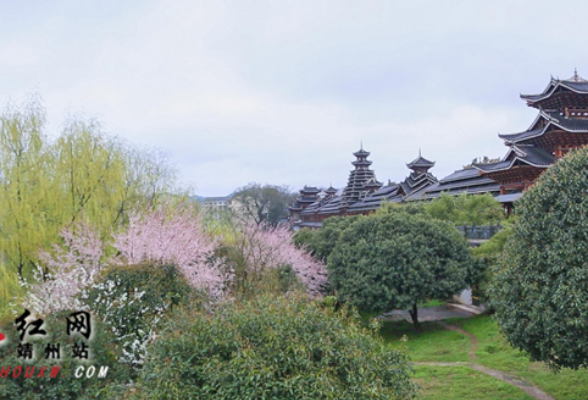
(322, 242)
(272, 348)
(540, 292)
(395, 260)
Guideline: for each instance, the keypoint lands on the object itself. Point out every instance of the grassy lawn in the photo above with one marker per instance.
(434, 344)
(452, 383)
(459, 382)
(494, 352)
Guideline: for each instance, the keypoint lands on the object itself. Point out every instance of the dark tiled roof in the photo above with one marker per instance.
(568, 124)
(434, 192)
(394, 193)
(332, 206)
(373, 201)
(373, 182)
(516, 137)
(465, 180)
(499, 166)
(580, 87)
(552, 119)
(531, 155)
(537, 156)
(361, 153)
(420, 162)
(310, 189)
(312, 208)
(461, 174)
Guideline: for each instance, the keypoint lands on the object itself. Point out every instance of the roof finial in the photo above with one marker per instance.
(419, 152)
(576, 74)
(361, 145)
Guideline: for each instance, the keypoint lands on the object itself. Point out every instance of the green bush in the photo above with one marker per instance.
(396, 260)
(133, 301)
(321, 243)
(541, 289)
(103, 352)
(304, 238)
(489, 253)
(272, 348)
(476, 209)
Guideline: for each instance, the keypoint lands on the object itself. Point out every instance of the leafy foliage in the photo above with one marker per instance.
(396, 260)
(10, 291)
(540, 293)
(321, 243)
(477, 209)
(133, 300)
(304, 238)
(407, 208)
(274, 348)
(489, 253)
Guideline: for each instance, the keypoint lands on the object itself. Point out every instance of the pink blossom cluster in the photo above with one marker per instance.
(274, 247)
(176, 237)
(163, 236)
(63, 274)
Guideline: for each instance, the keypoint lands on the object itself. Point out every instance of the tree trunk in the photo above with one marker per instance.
(414, 314)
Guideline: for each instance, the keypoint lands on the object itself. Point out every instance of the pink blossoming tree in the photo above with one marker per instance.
(273, 247)
(163, 236)
(167, 235)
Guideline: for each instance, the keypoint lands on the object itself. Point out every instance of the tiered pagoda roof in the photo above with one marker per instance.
(355, 189)
(550, 129)
(464, 180)
(420, 162)
(561, 125)
(560, 94)
(418, 179)
(331, 191)
(527, 162)
(308, 195)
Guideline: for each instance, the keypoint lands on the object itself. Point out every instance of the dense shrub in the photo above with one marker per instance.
(272, 348)
(395, 260)
(476, 209)
(321, 243)
(134, 299)
(103, 352)
(489, 253)
(541, 290)
(304, 238)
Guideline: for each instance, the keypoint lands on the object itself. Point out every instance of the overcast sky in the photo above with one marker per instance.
(282, 92)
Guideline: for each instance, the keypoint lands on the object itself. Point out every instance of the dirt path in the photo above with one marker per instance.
(528, 388)
(472, 337)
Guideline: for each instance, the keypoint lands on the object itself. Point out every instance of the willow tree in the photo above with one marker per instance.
(25, 183)
(47, 185)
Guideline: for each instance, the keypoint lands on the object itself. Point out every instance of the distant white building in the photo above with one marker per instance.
(214, 204)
